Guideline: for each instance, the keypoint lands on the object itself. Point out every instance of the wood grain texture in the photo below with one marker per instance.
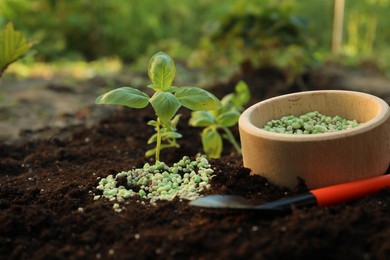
(322, 159)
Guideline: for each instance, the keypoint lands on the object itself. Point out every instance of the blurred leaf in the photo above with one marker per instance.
(152, 123)
(242, 95)
(152, 139)
(175, 121)
(150, 152)
(201, 119)
(164, 136)
(13, 45)
(212, 142)
(228, 119)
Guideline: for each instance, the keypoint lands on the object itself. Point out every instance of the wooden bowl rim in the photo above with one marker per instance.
(247, 126)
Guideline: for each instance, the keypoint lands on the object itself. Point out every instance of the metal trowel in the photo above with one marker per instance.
(327, 196)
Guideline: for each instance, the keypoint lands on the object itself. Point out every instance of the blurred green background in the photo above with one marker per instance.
(215, 36)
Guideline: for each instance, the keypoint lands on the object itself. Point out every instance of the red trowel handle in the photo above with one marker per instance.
(349, 191)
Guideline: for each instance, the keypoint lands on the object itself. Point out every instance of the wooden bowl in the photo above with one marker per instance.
(320, 159)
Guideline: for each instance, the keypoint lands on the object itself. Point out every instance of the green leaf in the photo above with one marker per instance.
(197, 99)
(229, 118)
(242, 95)
(201, 119)
(170, 135)
(152, 139)
(175, 121)
(212, 142)
(12, 45)
(226, 100)
(165, 104)
(171, 89)
(150, 152)
(154, 87)
(157, 88)
(164, 146)
(164, 136)
(125, 96)
(152, 123)
(162, 70)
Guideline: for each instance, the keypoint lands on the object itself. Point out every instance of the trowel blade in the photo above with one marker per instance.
(222, 201)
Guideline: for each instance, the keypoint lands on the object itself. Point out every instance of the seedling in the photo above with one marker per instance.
(221, 119)
(13, 45)
(166, 101)
(309, 123)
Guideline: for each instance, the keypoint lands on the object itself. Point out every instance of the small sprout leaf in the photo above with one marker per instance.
(172, 89)
(161, 71)
(165, 104)
(152, 123)
(212, 142)
(175, 121)
(152, 139)
(171, 135)
(125, 96)
(201, 119)
(164, 136)
(228, 119)
(242, 94)
(197, 99)
(227, 99)
(150, 152)
(154, 87)
(164, 146)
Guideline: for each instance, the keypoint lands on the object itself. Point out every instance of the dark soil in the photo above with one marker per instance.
(47, 209)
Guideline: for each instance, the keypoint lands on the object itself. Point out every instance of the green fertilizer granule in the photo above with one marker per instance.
(309, 123)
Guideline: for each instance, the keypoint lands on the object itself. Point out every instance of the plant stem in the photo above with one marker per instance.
(231, 139)
(158, 142)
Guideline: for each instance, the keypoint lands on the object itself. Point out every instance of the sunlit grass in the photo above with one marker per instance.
(74, 69)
